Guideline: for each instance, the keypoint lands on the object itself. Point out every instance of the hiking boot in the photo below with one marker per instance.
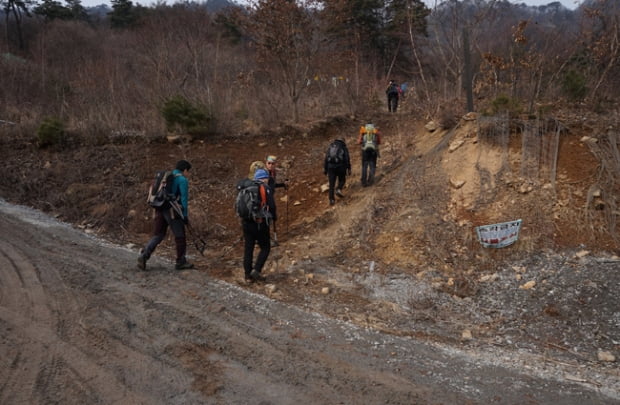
(142, 262)
(332, 202)
(185, 265)
(248, 279)
(339, 193)
(256, 276)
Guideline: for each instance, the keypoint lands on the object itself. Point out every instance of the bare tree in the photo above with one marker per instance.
(15, 9)
(285, 36)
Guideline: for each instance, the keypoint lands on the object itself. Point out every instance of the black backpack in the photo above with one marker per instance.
(160, 193)
(248, 204)
(335, 153)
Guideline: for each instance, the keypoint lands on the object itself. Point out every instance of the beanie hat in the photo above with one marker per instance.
(261, 174)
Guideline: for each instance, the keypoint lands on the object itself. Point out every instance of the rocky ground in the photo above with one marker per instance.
(400, 259)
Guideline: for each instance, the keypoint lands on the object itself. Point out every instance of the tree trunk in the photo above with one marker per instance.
(467, 69)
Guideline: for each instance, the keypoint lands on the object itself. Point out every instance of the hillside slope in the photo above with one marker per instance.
(401, 256)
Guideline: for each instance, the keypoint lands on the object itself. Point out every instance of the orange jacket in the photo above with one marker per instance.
(360, 139)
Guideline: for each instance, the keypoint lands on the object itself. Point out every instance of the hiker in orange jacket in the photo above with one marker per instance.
(369, 140)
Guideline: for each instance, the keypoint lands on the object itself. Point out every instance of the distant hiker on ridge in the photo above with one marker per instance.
(393, 93)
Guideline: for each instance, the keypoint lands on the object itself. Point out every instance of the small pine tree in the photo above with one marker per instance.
(182, 115)
(574, 85)
(51, 132)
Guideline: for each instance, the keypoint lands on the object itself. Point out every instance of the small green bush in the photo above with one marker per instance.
(181, 115)
(51, 132)
(574, 85)
(504, 104)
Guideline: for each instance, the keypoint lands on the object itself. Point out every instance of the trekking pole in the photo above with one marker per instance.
(199, 243)
(228, 248)
(275, 234)
(286, 209)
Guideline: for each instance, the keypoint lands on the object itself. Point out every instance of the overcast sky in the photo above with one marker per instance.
(572, 4)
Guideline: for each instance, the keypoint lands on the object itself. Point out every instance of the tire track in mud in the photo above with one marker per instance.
(40, 315)
(20, 293)
(90, 329)
(64, 356)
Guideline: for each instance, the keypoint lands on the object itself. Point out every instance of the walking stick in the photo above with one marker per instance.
(286, 209)
(199, 243)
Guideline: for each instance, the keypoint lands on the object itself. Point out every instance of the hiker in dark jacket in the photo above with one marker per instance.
(336, 166)
(175, 217)
(270, 165)
(393, 93)
(258, 231)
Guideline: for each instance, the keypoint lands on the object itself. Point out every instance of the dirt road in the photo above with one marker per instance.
(80, 325)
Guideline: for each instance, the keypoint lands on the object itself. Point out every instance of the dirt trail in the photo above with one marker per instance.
(79, 325)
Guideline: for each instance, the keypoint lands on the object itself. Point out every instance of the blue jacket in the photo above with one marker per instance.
(180, 188)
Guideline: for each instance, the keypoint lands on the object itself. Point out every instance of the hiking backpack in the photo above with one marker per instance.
(370, 138)
(393, 89)
(160, 193)
(335, 153)
(249, 205)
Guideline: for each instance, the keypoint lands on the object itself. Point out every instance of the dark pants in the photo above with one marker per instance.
(369, 165)
(392, 102)
(339, 173)
(255, 232)
(163, 219)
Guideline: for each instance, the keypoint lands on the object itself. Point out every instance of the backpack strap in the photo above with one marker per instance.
(263, 206)
(263, 196)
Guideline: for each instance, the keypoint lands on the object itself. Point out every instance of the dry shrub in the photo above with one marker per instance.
(449, 114)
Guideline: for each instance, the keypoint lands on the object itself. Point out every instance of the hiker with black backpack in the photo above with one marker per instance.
(369, 139)
(169, 198)
(393, 93)
(256, 208)
(336, 166)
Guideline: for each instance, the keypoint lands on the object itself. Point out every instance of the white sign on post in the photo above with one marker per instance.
(499, 235)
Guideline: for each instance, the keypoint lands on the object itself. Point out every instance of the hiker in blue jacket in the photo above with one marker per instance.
(176, 217)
